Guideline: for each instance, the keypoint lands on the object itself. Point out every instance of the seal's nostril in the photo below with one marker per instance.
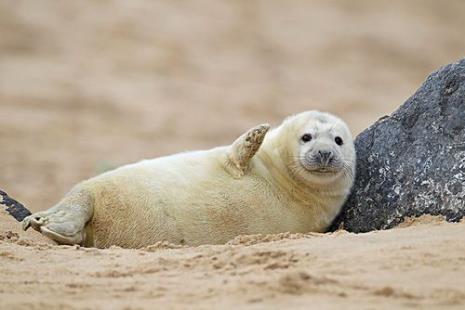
(325, 156)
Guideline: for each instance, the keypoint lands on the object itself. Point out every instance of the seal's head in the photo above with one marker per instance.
(319, 148)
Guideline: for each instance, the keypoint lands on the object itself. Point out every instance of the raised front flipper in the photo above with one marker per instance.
(244, 148)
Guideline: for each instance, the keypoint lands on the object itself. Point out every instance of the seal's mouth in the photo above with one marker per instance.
(323, 170)
(319, 168)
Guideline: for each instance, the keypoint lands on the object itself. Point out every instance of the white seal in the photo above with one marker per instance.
(294, 178)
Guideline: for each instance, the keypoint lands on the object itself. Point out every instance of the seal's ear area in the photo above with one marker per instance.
(244, 148)
(299, 120)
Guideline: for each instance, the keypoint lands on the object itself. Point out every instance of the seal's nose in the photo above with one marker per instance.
(325, 156)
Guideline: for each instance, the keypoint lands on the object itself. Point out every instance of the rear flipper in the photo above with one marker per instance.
(65, 222)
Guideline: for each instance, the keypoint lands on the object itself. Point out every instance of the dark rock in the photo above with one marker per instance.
(13, 207)
(412, 162)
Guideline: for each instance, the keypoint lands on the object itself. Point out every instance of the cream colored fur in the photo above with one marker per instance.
(209, 197)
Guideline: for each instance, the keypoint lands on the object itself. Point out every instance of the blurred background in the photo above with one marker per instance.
(87, 85)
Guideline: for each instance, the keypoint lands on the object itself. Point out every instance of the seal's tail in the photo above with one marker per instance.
(13, 207)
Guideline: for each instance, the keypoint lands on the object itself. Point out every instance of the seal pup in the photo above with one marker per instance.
(294, 178)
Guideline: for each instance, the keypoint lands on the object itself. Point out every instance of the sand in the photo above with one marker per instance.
(89, 85)
(418, 266)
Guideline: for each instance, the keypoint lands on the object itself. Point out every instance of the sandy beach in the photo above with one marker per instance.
(86, 86)
(420, 265)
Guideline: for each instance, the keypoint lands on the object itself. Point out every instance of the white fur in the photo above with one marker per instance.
(192, 198)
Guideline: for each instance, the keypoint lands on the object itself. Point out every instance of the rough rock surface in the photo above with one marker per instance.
(13, 207)
(413, 162)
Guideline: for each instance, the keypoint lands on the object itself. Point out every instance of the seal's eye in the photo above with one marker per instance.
(338, 141)
(306, 137)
